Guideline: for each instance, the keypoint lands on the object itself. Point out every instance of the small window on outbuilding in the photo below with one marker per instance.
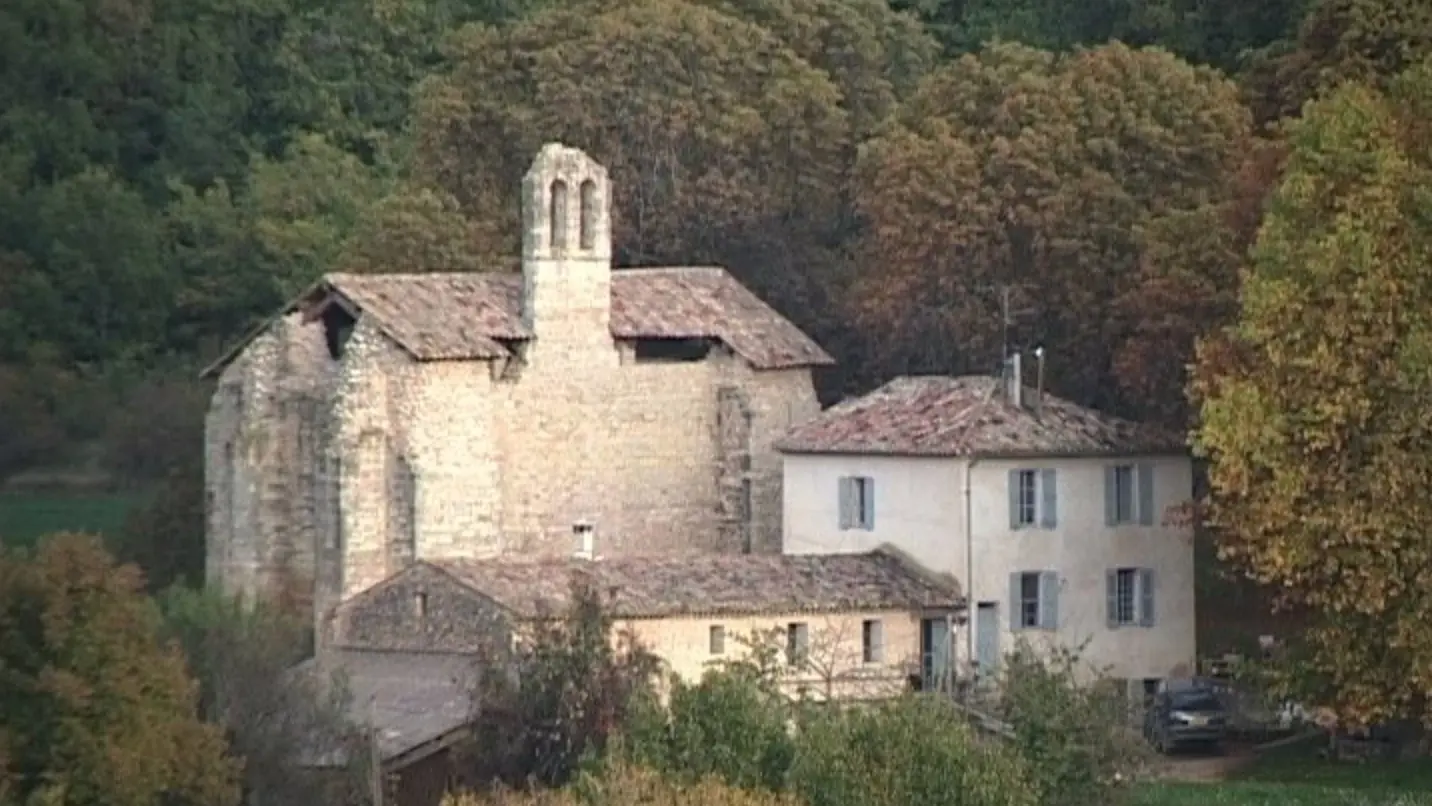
(420, 604)
(717, 639)
(337, 328)
(671, 350)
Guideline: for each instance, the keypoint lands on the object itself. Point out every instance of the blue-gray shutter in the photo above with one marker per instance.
(1049, 518)
(1146, 494)
(1049, 600)
(846, 499)
(868, 516)
(1013, 499)
(1111, 587)
(1111, 496)
(1016, 605)
(1146, 597)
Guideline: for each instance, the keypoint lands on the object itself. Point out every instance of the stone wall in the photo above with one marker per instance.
(365, 532)
(421, 610)
(341, 471)
(264, 434)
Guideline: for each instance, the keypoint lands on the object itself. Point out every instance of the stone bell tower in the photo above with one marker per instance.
(567, 249)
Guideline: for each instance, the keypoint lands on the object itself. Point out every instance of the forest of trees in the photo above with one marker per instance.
(1149, 175)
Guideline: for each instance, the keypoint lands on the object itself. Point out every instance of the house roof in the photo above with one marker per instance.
(409, 698)
(969, 416)
(467, 315)
(713, 584)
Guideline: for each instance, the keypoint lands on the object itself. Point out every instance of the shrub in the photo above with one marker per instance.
(623, 784)
(914, 751)
(547, 707)
(1077, 740)
(732, 725)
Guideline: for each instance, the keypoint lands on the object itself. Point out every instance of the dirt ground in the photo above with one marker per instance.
(1204, 766)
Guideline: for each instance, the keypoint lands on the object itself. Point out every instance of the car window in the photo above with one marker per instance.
(1196, 701)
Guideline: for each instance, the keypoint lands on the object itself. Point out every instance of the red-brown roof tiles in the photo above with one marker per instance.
(713, 584)
(969, 416)
(444, 316)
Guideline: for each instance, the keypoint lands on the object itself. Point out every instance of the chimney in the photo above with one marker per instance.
(586, 541)
(1014, 382)
(1039, 384)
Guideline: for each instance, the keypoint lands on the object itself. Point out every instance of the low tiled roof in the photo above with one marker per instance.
(713, 584)
(467, 315)
(409, 698)
(969, 416)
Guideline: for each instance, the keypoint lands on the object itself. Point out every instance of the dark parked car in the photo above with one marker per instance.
(1186, 713)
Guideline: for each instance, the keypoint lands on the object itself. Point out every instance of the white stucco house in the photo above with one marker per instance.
(1056, 518)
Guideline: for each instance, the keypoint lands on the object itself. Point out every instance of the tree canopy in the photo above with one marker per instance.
(95, 709)
(1048, 173)
(1315, 402)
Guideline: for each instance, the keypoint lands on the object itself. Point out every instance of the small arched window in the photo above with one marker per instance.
(588, 224)
(558, 213)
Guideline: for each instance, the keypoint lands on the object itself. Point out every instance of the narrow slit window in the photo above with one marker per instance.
(587, 234)
(558, 215)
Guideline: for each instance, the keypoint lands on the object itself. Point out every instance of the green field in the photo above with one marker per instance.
(1293, 776)
(24, 517)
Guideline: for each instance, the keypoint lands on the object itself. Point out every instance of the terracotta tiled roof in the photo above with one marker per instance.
(455, 316)
(713, 584)
(969, 416)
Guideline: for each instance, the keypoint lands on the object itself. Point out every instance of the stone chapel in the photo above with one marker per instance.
(378, 420)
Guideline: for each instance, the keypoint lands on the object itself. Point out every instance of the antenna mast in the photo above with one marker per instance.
(1007, 316)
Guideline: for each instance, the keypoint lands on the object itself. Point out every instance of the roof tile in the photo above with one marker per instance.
(969, 416)
(447, 316)
(713, 584)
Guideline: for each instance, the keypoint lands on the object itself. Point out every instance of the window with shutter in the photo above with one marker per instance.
(873, 641)
(1126, 596)
(1145, 487)
(845, 500)
(865, 502)
(1048, 500)
(1120, 501)
(1146, 597)
(797, 643)
(1049, 600)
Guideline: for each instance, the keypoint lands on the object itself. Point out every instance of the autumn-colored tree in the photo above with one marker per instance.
(243, 656)
(1015, 166)
(728, 126)
(1187, 285)
(1367, 41)
(1316, 405)
(95, 710)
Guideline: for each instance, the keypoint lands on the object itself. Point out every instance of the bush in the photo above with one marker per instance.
(627, 785)
(914, 751)
(732, 725)
(1077, 740)
(243, 659)
(545, 709)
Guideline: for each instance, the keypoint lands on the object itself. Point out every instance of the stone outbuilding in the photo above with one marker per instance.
(380, 420)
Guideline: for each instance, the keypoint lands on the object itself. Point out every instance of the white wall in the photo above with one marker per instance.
(920, 508)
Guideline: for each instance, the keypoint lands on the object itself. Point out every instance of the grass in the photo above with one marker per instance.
(1293, 776)
(25, 517)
